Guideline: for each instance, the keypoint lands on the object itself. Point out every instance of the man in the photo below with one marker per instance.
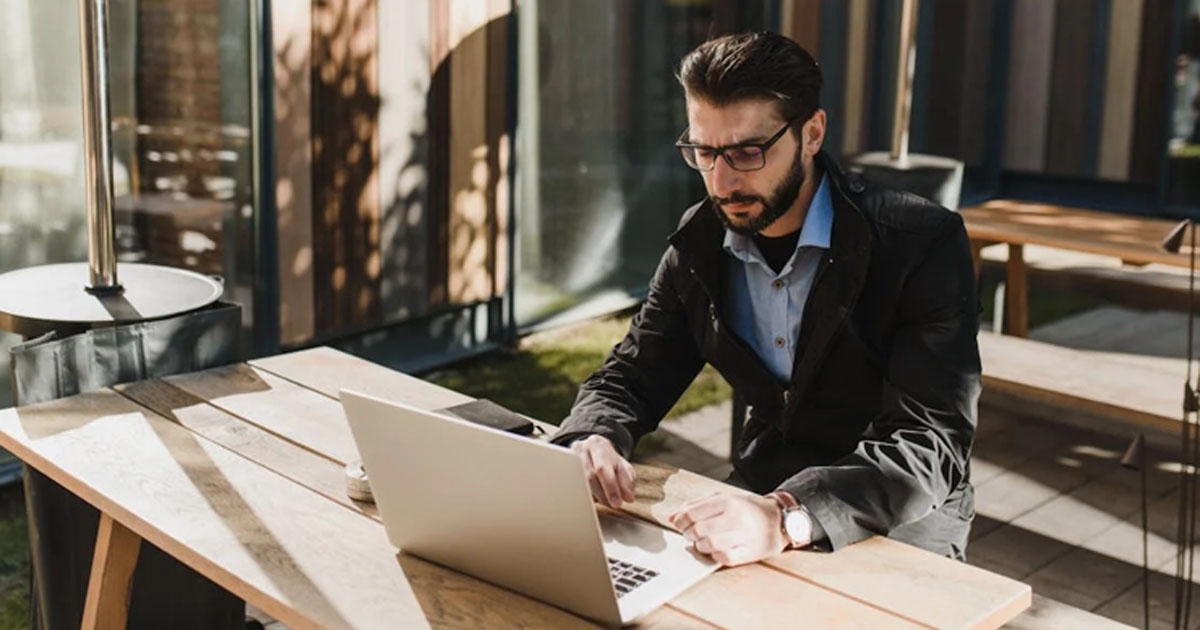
(844, 313)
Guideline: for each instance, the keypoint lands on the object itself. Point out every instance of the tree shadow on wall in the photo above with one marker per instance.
(434, 239)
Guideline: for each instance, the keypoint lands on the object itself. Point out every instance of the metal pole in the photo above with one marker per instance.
(97, 152)
(906, 63)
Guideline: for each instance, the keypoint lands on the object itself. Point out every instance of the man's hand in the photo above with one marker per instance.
(610, 477)
(732, 529)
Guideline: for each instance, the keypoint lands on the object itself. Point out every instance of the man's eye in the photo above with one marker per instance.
(744, 153)
(705, 152)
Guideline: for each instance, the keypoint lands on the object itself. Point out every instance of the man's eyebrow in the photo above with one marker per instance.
(751, 140)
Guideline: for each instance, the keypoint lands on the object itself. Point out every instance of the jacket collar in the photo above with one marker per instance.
(701, 236)
(840, 276)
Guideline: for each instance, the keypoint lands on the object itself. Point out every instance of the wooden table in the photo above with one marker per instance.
(1135, 240)
(238, 472)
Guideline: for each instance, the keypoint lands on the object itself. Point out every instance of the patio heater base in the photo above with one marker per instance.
(37, 300)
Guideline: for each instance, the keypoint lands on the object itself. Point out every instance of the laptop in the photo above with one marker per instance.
(513, 511)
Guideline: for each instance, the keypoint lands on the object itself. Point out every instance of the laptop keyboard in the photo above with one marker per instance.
(626, 576)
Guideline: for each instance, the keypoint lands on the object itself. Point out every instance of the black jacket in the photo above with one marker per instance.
(873, 432)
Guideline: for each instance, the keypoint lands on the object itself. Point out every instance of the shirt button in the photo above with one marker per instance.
(778, 284)
(780, 342)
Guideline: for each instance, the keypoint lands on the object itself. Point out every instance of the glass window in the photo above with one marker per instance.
(182, 161)
(600, 182)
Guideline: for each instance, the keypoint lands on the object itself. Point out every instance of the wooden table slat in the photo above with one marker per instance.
(1133, 238)
(312, 470)
(937, 591)
(780, 603)
(328, 371)
(295, 413)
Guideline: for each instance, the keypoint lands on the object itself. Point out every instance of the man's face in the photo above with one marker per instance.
(748, 202)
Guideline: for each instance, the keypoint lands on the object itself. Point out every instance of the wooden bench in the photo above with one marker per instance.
(1153, 285)
(1049, 614)
(1132, 239)
(1104, 384)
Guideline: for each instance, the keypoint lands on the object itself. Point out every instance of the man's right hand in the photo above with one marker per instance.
(610, 477)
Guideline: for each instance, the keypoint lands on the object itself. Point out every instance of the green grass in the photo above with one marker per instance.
(541, 377)
(14, 562)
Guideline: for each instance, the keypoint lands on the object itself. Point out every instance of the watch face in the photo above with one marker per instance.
(798, 527)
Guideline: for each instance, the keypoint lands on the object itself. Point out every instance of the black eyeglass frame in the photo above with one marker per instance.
(763, 147)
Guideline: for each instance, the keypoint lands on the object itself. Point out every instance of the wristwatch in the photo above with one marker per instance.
(795, 522)
(797, 527)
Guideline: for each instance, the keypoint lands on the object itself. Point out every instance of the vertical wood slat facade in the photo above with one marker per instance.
(1154, 68)
(979, 81)
(944, 129)
(396, 193)
(1029, 85)
(393, 198)
(345, 117)
(858, 54)
(291, 22)
(1120, 89)
(1066, 124)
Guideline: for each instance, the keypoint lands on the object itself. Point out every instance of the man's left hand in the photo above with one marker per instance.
(732, 529)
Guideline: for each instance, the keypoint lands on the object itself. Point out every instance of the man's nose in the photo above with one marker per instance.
(723, 179)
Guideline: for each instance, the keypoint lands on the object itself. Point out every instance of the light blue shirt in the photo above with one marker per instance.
(765, 308)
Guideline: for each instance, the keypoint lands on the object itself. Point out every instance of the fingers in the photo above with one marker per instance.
(610, 478)
(698, 510)
(610, 487)
(718, 542)
(733, 530)
(734, 556)
(627, 479)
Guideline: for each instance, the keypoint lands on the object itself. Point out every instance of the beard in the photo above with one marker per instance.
(773, 207)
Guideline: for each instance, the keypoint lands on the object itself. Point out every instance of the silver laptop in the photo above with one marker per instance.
(513, 511)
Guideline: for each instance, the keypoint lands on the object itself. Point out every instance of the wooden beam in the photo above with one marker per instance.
(1029, 86)
(345, 114)
(291, 25)
(111, 582)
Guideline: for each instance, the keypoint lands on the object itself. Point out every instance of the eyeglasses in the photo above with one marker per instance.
(744, 156)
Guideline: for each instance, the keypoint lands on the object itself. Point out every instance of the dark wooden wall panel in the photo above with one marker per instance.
(978, 83)
(1067, 129)
(1028, 85)
(832, 56)
(438, 108)
(1154, 67)
(499, 142)
(943, 130)
(805, 26)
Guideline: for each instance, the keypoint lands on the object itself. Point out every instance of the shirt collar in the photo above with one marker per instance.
(816, 231)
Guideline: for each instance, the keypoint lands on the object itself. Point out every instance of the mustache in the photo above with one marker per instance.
(738, 198)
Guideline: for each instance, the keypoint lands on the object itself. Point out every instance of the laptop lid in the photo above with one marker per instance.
(510, 510)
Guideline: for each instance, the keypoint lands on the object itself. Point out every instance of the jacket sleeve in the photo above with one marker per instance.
(644, 375)
(916, 452)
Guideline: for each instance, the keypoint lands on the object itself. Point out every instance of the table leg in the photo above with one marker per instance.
(1016, 293)
(111, 582)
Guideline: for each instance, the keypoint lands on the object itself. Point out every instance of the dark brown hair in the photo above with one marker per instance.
(750, 66)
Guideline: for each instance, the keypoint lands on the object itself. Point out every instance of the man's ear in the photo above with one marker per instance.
(813, 133)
